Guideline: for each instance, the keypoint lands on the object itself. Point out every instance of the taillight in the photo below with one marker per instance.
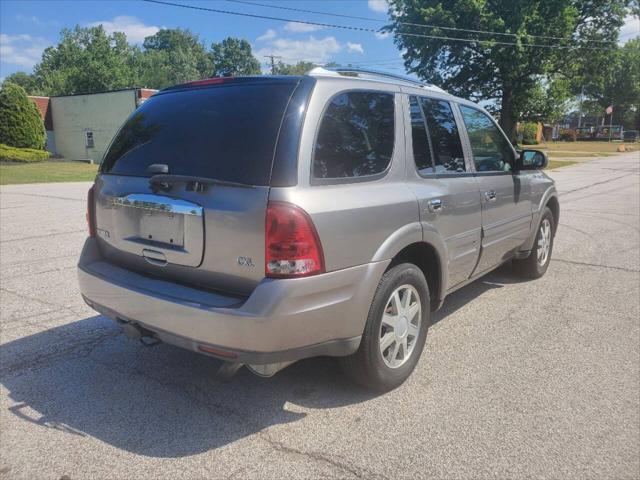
(91, 211)
(293, 247)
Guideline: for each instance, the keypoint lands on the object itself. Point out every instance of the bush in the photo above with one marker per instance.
(24, 155)
(529, 132)
(20, 122)
(568, 135)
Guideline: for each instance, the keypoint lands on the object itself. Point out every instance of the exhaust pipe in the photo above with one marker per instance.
(268, 370)
(136, 332)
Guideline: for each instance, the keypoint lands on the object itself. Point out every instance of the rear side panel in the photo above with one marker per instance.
(356, 220)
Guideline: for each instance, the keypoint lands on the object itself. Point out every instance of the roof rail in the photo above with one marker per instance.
(372, 75)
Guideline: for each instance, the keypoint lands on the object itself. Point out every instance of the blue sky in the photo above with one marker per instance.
(27, 27)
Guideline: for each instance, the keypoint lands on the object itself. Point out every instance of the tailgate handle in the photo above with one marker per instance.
(154, 257)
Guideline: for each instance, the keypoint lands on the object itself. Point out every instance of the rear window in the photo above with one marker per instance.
(355, 138)
(224, 132)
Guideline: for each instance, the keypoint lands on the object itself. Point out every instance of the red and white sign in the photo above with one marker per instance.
(609, 110)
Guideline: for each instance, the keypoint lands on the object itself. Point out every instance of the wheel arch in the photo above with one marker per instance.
(426, 257)
(554, 206)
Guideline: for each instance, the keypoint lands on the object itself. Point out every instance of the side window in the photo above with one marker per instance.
(445, 140)
(421, 149)
(356, 135)
(491, 150)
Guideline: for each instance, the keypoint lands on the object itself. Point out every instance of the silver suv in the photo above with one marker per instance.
(261, 220)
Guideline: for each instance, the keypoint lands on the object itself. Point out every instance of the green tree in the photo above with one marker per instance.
(172, 56)
(86, 60)
(547, 101)
(299, 68)
(233, 57)
(613, 80)
(20, 122)
(26, 81)
(490, 71)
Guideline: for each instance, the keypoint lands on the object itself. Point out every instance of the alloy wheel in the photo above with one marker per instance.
(400, 325)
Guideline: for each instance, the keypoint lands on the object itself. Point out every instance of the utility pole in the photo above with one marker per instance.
(580, 110)
(273, 62)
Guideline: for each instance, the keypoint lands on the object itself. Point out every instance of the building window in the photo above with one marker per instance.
(88, 139)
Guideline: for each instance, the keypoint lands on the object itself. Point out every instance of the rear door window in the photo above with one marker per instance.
(226, 132)
(420, 139)
(356, 136)
(445, 140)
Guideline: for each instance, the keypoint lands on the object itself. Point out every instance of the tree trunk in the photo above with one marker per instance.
(507, 116)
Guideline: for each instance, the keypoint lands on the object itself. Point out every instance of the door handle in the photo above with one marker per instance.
(490, 196)
(435, 205)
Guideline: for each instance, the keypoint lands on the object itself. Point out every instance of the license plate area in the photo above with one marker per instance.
(164, 228)
(169, 226)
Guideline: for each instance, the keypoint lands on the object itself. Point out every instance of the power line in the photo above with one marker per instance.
(364, 29)
(410, 24)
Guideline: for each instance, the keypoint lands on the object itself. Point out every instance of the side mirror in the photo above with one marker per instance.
(533, 160)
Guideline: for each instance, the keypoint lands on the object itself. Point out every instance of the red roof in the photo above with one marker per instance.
(145, 93)
(43, 105)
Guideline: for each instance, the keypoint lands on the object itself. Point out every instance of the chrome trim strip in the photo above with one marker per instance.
(158, 203)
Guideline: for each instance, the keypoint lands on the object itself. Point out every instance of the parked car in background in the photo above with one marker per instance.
(631, 136)
(261, 220)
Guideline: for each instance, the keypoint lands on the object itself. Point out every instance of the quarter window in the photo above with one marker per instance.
(356, 136)
(420, 139)
(492, 152)
(445, 140)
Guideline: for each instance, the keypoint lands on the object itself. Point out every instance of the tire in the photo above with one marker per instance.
(380, 370)
(532, 267)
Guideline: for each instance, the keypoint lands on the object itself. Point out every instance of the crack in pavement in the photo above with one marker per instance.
(193, 392)
(44, 196)
(41, 302)
(595, 265)
(592, 185)
(35, 237)
(77, 349)
(34, 274)
(601, 212)
(31, 262)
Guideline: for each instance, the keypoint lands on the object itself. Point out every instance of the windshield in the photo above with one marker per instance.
(226, 132)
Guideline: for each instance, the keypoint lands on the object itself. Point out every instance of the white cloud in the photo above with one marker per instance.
(355, 47)
(301, 27)
(630, 29)
(268, 35)
(134, 29)
(22, 50)
(312, 49)
(382, 35)
(381, 6)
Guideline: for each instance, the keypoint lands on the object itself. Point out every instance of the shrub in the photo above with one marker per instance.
(529, 132)
(568, 135)
(20, 122)
(25, 155)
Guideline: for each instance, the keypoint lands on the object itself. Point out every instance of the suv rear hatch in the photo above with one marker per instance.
(183, 188)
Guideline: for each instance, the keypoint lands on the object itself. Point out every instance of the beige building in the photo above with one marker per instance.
(83, 125)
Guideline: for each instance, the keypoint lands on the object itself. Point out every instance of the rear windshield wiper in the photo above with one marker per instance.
(164, 181)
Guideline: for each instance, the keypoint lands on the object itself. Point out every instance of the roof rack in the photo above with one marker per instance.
(372, 75)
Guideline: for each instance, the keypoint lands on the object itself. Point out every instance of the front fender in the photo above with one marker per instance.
(537, 209)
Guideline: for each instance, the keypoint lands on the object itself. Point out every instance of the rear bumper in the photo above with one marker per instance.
(281, 320)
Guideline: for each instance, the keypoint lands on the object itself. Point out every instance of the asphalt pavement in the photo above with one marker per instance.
(535, 379)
